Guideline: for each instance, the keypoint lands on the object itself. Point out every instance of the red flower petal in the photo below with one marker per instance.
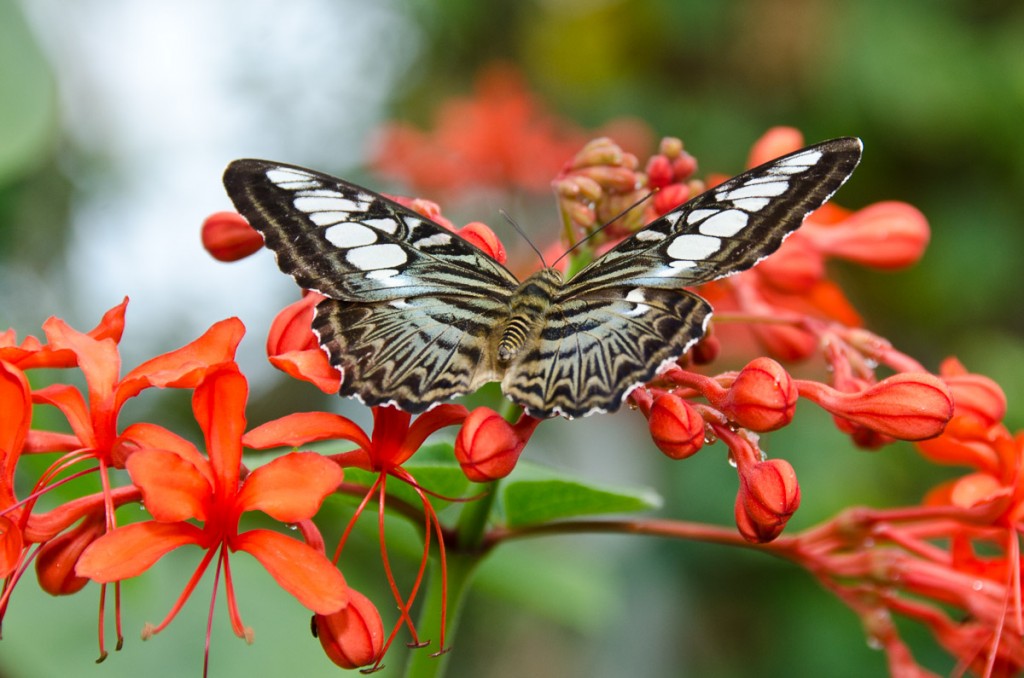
(144, 435)
(172, 488)
(775, 143)
(97, 358)
(300, 569)
(219, 406)
(15, 419)
(71, 403)
(185, 367)
(309, 365)
(290, 488)
(131, 550)
(11, 544)
(300, 428)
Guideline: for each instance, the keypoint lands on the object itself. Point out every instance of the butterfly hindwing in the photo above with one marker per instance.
(594, 348)
(729, 228)
(350, 243)
(413, 353)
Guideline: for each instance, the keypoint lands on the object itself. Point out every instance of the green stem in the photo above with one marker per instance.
(460, 569)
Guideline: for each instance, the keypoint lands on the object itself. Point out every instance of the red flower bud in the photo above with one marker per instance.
(659, 171)
(706, 350)
(676, 427)
(974, 395)
(769, 494)
(670, 197)
(796, 267)
(481, 235)
(907, 406)
(488, 447)
(55, 564)
(293, 348)
(775, 143)
(227, 236)
(683, 166)
(763, 397)
(886, 235)
(353, 636)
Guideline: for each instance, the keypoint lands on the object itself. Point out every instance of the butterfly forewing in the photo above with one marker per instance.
(415, 314)
(729, 228)
(347, 242)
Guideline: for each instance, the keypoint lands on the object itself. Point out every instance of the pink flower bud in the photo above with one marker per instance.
(676, 427)
(353, 636)
(227, 236)
(670, 197)
(488, 447)
(670, 147)
(886, 235)
(55, 564)
(481, 235)
(763, 397)
(907, 406)
(769, 494)
(659, 171)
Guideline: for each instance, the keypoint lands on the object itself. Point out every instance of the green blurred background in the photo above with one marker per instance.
(117, 118)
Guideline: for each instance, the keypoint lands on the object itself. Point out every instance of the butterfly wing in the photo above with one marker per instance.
(411, 306)
(597, 346)
(729, 228)
(350, 243)
(615, 324)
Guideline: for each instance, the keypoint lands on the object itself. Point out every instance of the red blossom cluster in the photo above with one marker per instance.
(959, 549)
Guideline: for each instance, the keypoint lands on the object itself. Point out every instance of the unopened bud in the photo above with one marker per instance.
(769, 494)
(487, 447)
(353, 636)
(676, 427)
(227, 236)
(763, 397)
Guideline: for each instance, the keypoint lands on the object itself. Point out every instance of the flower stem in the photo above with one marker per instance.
(424, 663)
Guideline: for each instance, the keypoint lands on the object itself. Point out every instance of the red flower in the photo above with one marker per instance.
(393, 441)
(676, 426)
(501, 136)
(769, 494)
(353, 636)
(179, 486)
(15, 419)
(293, 348)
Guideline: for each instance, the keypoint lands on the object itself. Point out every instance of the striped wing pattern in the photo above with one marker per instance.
(415, 314)
(595, 348)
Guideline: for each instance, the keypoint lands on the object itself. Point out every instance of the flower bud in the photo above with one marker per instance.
(488, 447)
(600, 151)
(775, 143)
(684, 166)
(481, 235)
(670, 197)
(293, 348)
(769, 494)
(974, 395)
(796, 267)
(763, 397)
(676, 427)
(659, 171)
(670, 147)
(353, 636)
(907, 406)
(55, 563)
(885, 235)
(227, 236)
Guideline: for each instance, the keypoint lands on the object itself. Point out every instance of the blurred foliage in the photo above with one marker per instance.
(936, 89)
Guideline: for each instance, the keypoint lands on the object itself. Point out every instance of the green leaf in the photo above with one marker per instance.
(534, 495)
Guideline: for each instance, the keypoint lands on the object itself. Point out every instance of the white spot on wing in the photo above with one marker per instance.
(383, 224)
(326, 204)
(762, 190)
(328, 218)
(693, 247)
(751, 204)
(649, 235)
(725, 224)
(803, 160)
(636, 296)
(436, 240)
(675, 268)
(699, 215)
(350, 235)
(374, 257)
(291, 179)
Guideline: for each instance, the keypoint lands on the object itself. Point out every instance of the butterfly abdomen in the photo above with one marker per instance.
(526, 311)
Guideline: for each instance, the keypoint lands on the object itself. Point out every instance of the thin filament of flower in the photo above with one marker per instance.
(42, 488)
(355, 516)
(229, 589)
(99, 626)
(189, 587)
(213, 604)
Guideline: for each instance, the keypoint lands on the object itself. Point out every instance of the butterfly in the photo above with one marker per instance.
(414, 314)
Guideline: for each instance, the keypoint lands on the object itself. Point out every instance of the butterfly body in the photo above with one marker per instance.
(415, 315)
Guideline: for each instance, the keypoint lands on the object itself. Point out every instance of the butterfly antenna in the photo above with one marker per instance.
(605, 225)
(521, 232)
